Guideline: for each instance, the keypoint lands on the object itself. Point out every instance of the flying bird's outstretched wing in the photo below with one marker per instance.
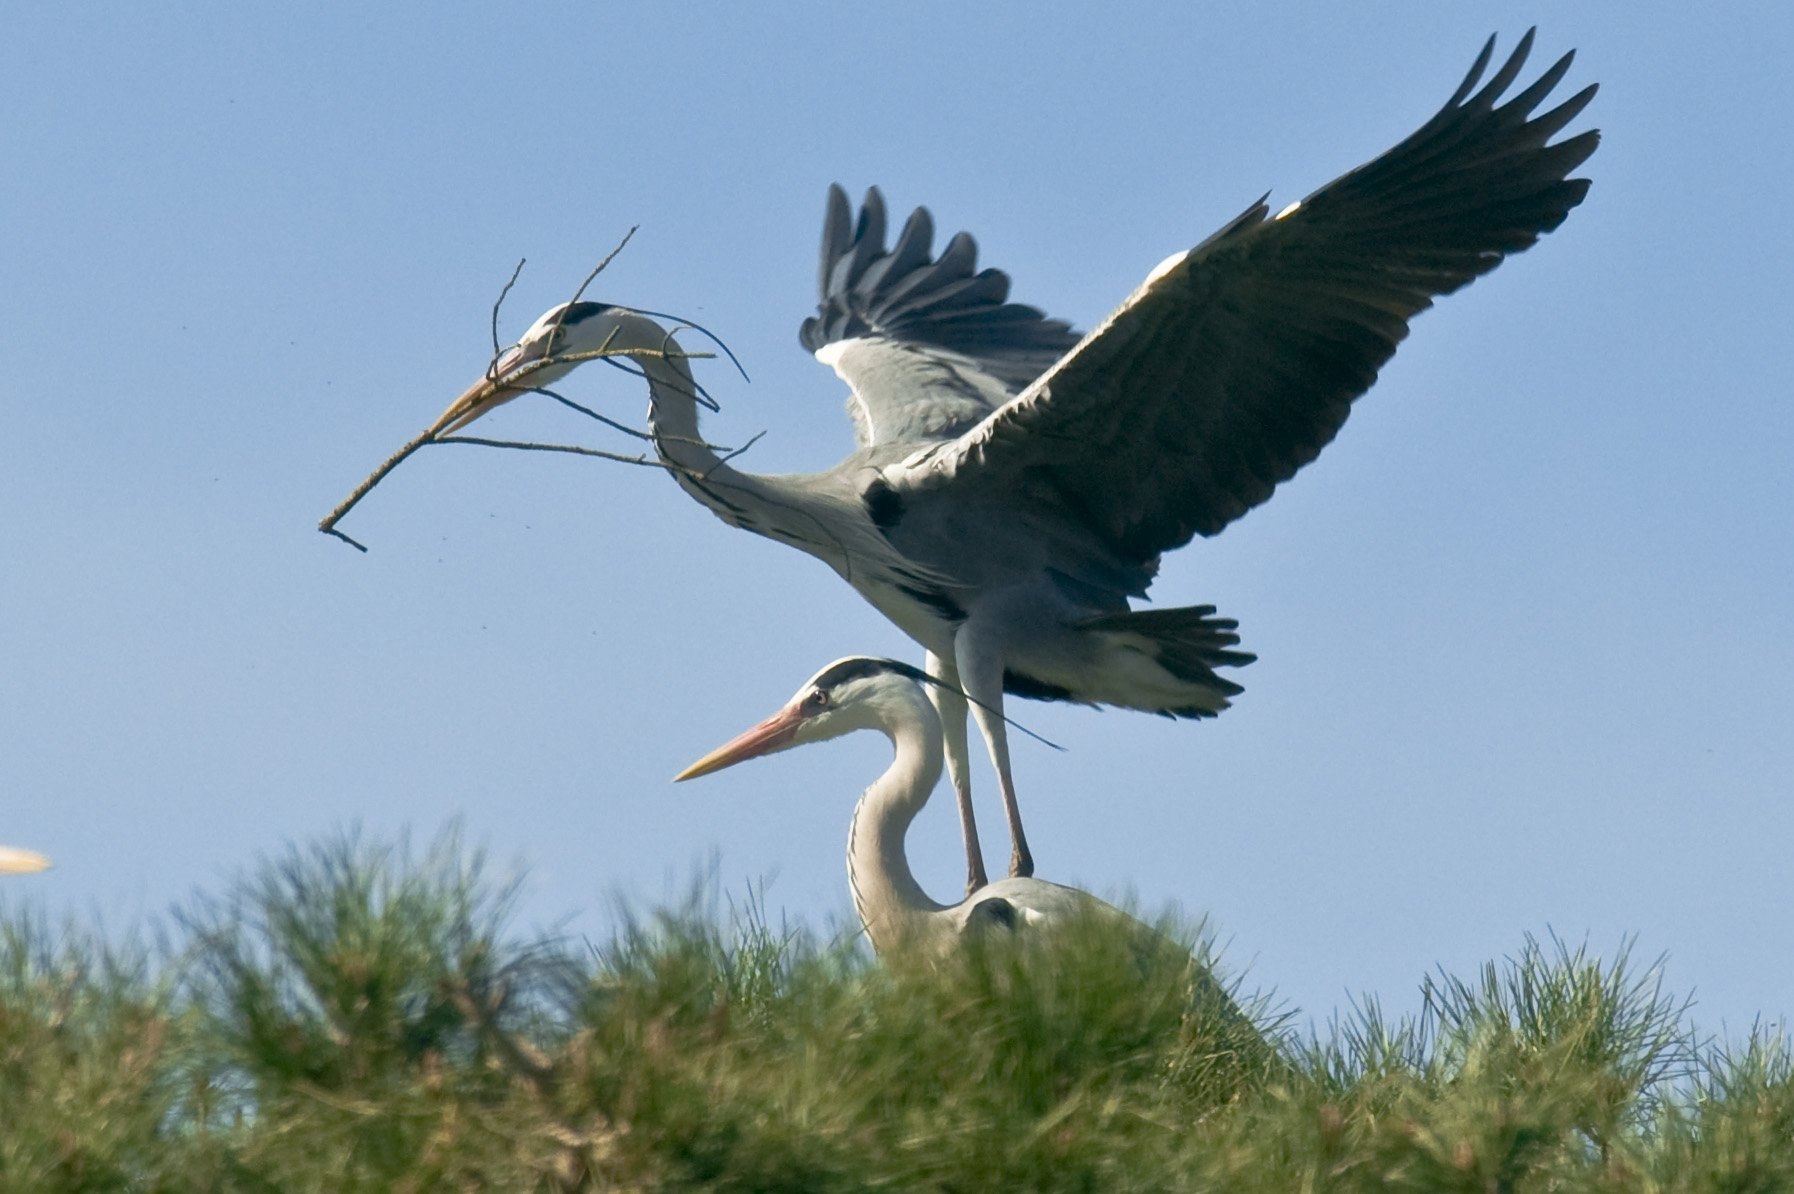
(1236, 362)
(929, 345)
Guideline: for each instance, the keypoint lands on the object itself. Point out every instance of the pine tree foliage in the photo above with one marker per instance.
(360, 1016)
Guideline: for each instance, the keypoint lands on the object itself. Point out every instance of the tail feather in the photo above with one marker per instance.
(1188, 643)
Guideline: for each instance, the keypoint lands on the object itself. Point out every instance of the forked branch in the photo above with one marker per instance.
(517, 379)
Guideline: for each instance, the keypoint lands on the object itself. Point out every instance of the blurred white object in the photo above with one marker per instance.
(14, 861)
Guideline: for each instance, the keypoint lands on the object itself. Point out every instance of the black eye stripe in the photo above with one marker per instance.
(577, 312)
(862, 667)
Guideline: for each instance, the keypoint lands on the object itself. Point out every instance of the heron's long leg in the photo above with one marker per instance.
(952, 709)
(981, 675)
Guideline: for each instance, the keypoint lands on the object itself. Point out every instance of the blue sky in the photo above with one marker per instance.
(1526, 630)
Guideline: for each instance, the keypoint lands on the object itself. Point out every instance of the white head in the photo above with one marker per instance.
(563, 330)
(855, 693)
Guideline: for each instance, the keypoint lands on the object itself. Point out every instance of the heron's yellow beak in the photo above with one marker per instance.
(486, 394)
(775, 733)
(14, 861)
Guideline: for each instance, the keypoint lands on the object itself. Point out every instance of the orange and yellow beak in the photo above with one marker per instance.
(775, 733)
(486, 394)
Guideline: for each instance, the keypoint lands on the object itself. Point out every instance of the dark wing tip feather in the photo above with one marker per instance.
(1238, 368)
(1477, 182)
(1547, 125)
(1476, 72)
(904, 294)
(1504, 78)
(835, 234)
(1542, 86)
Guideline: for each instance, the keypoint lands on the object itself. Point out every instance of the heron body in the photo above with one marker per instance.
(1015, 484)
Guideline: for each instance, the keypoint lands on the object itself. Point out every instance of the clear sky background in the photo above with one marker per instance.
(1526, 630)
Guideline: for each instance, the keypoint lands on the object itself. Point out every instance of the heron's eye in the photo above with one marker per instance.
(816, 701)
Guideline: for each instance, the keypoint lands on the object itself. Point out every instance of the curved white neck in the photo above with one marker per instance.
(891, 904)
(673, 413)
(792, 509)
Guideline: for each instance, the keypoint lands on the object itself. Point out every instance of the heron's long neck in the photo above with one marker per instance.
(891, 904)
(673, 416)
(801, 510)
(740, 499)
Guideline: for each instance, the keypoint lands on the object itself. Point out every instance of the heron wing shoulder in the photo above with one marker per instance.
(1236, 362)
(906, 393)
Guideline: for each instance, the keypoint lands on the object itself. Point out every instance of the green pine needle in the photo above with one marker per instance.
(363, 1016)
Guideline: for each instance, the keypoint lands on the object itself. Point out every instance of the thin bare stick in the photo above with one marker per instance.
(357, 544)
(704, 331)
(512, 380)
(328, 526)
(433, 432)
(596, 270)
(526, 446)
(606, 352)
(738, 451)
(696, 392)
(608, 258)
(500, 302)
(588, 412)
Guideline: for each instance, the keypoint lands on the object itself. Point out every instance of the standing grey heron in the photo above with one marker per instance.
(1016, 484)
(860, 693)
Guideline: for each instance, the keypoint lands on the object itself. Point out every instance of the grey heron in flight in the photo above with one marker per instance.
(1015, 484)
(860, 693)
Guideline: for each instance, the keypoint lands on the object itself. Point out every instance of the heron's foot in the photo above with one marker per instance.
(1021, 863)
